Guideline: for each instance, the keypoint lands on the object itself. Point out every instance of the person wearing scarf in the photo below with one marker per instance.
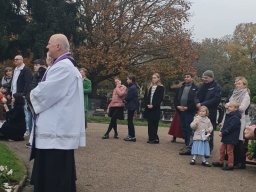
(240, 95)
(6, 79)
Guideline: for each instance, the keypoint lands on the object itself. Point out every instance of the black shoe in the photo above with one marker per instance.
(28, 145)
(184, 148)
(240, 166)
(133, 139)
(193, 162)
(105, 137)
(116, 136)
(173, 140)
(153, 142)
(228, 168)
(188, 152)
(206, 164)
(217, 164)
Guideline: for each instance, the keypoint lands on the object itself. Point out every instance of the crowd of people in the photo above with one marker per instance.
(128, 98)
(188, 102)
(16, 85)
(51, 106)
(195, 118)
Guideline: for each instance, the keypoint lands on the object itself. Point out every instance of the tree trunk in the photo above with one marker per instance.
(94, 90)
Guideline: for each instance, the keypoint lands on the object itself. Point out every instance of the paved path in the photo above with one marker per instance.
(118, 166)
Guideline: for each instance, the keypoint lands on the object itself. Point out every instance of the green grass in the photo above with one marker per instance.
(9, 159)
(137, 122)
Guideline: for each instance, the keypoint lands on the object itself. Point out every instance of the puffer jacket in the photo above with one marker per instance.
(118, 96)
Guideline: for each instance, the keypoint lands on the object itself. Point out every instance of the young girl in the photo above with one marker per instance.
(15, 126)
(153, 97)
(203, 128)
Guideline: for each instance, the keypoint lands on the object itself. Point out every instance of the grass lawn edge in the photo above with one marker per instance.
(13, 161)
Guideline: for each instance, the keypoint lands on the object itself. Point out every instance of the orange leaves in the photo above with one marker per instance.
(139, 35)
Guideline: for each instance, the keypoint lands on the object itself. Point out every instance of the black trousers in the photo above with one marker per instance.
(131, 130)
(211, 138)
(185, 119)
(112, 124)
(115, 113)
(239, 153)
(54, 171)
(153, 129)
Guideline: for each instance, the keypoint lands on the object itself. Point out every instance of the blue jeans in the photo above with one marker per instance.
(185, 119)
(28, 118)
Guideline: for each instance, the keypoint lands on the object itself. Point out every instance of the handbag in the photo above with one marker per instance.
(110, 112)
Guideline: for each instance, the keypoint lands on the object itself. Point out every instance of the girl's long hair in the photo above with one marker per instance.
(158, 83)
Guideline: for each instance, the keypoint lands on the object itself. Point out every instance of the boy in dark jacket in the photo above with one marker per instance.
(230, 136)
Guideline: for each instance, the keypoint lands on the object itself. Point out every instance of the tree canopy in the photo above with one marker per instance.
(123, 35)
(116, 37)
(230, 56)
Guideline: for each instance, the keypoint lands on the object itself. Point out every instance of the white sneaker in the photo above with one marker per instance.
(26, 134)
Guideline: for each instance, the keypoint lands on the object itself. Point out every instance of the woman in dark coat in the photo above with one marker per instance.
(153, 97)
(15, 126)
(132, 104)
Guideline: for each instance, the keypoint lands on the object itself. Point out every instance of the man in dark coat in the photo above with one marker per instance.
(20, 84)
(185, 104)
(209, 95)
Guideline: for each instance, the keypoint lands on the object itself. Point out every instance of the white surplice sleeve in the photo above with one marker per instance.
(53, 89)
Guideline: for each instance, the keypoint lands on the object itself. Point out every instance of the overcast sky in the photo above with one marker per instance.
(217, 18)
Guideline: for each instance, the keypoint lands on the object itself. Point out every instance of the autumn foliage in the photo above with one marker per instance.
(139, 36)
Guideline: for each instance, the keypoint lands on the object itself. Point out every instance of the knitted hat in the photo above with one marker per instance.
(38, 61)
(208, 73)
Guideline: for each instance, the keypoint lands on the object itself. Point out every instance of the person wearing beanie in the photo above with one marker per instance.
(208, 73)
(209, 95)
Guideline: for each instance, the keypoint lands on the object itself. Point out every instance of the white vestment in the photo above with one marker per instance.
(58, 102)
